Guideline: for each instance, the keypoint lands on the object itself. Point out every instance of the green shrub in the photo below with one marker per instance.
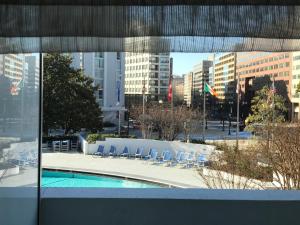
(92, 138)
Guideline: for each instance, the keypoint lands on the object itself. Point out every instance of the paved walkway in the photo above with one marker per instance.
(131, 168)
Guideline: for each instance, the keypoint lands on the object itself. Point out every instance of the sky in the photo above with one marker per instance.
(184, 62)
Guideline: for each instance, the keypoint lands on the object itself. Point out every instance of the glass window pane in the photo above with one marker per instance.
(19, 132)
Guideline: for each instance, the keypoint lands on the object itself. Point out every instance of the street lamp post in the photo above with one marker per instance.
(229, 118)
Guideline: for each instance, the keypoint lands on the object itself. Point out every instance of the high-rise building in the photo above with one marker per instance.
(188, 88)
(107, 71)
(14, 68)
(225, 75)
(33, 73)
(295, 96)
(178, 88)
(211, 75)
(252, 65)
(148, 73)
(200, 77)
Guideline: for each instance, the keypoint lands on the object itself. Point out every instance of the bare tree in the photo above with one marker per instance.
(281, 151)
(231, 168)
(272, 162)
(167, 123)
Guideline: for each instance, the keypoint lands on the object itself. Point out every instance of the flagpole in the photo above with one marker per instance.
(273, 101)
(204, 109)
(172, 104)
(238, 112)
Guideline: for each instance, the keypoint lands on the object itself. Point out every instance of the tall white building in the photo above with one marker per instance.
(295, 97)
(14, 67)
(147, 72)
(107, 71)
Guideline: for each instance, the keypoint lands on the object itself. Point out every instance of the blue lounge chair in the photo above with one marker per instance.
(125, 152)
(182, 158)
(190, 159)
(177, 157)
(201, 160)
(167, 157)
(154, 155)
(149, 154)
(100, 151)
(160, 158)
(112, 151)
(138, 153)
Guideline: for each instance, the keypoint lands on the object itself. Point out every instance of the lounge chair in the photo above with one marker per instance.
(112, 151)
(182, 158)
(153, 157)
(167, 157)
(56, 145)
(190, 159)
(138, 153)
(100, 151)
(65, 145)
(201, 160)
(125, 152)
(176, 159)
(149, 154)
(160, 158)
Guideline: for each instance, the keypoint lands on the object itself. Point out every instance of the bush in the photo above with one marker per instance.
(92, 138)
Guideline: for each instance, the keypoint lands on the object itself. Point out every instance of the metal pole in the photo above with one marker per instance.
(229, 118)
(128, 114)
(273, 100)
(119, 130)
(172, 106)
(238, 112)
(204, 113)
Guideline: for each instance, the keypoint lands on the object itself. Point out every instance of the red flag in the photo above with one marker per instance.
(170, 90)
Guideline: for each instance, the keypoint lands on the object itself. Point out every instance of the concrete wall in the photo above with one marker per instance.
(146, 144)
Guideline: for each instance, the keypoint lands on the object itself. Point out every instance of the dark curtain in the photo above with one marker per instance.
(149, 25)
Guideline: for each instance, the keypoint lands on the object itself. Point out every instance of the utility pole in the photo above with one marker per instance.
(172, 105)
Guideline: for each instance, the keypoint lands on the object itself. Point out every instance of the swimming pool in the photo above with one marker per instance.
(71, 179)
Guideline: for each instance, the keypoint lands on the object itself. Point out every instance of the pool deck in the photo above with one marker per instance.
(130, 168)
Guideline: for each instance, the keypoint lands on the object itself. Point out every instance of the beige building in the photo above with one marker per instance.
(188, 88)
(225, 75)
(149, 72)
(178, 88)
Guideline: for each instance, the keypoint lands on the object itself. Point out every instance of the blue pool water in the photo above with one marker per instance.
(68, 179)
